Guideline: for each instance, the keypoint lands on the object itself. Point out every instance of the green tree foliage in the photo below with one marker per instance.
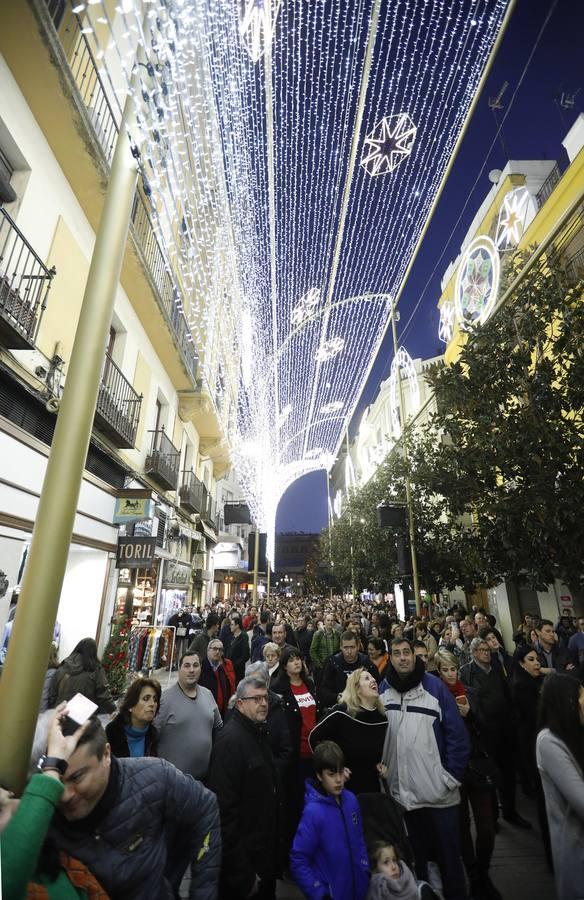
(115, 657)
(497, 474)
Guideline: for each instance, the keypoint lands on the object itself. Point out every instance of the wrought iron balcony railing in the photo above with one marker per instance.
(163, 461)
(118, 406)
(575, 266)
(548, 186)
(191, 492)
(77, 53)
(25, 282)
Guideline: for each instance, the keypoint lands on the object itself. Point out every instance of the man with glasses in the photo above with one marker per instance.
(243, 776)
(490, 703)
(218, 675)
(425, 755)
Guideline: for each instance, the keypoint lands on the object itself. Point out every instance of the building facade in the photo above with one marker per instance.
(167, 388)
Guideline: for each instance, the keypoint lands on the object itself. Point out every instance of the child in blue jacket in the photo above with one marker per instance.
(328, 857)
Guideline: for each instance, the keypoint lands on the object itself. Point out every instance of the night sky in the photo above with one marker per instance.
(533, 129)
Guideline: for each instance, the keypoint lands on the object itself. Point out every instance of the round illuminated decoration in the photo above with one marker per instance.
(404, 364)
(477, 281)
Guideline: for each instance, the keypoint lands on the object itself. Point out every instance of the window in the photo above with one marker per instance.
(7, 193)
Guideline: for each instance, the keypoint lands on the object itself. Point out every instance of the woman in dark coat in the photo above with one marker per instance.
(358, 724)
(525, 690)
(82, 673)
(298, 694)
(132, 733)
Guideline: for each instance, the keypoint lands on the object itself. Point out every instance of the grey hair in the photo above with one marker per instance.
(250, 681)
(475, 643)
(271, 646)
(257, 670)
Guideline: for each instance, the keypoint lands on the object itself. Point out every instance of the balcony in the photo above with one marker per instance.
(548, 186)
(25, 282)
(574, 266)
(163, 461)
(191, 492)
(96, 114)
(118, 406)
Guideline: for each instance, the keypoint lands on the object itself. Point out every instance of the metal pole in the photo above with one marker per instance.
(269, 564)
(409, 505)
(256, 560)
(351, 527)
(23, 676)
(330, 521)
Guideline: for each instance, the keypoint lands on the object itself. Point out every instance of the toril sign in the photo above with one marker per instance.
(135, 552)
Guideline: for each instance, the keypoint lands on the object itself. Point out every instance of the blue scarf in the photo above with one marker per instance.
(136, 739)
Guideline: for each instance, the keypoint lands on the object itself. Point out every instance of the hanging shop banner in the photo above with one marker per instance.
(135, 552)
(132, 509)
(176, 574)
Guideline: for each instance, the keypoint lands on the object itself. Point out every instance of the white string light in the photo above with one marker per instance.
(285, 367)
(402, 366)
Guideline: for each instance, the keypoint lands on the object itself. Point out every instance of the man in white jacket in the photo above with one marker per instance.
(426, 753)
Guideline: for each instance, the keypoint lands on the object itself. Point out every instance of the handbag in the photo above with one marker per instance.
(481, 774)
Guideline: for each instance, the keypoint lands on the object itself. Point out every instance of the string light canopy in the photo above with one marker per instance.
(260, 125)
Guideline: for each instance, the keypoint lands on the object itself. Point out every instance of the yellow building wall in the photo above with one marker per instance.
(62, 312)
(142, 381)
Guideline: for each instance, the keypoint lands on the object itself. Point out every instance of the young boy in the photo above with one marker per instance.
(328, 856)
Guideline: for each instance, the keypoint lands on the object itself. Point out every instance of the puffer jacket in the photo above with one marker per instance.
(427, 746)
(155, 823)
(329, 856)
(71, 678)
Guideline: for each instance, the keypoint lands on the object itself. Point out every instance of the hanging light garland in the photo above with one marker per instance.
(260, 126)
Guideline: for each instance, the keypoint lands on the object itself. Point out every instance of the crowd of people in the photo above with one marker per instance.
(329, 743)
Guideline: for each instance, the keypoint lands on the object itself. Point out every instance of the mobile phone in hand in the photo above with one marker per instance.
(79, 710)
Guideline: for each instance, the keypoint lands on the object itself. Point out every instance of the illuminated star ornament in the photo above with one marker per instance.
(305, 307)
(389, 143)
(447, 319)
(258, 22)
(512, 215)
(330, 349)
(477, 281)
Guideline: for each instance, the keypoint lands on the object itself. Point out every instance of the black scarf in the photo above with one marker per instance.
(411, 680)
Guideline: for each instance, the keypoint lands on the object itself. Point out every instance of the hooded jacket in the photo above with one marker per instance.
(427, 746)
(71, 678)
(328, 856)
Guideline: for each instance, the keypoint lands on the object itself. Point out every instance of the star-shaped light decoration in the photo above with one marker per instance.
(512, 215)
(388, 144)
(329, 349)
(447, 319)
(258, 22)
(305, 307)
(333, 407)
(477, 281)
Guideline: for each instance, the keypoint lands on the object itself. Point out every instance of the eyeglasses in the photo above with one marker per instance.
(262, 698)
(220, 649)
(484, 649)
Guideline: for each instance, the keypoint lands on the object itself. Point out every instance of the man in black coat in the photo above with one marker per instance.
(303, 636)
(238, 651)
(340, 666)
(244, 778)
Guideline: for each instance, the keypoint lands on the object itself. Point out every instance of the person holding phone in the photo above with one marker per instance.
(29, 862)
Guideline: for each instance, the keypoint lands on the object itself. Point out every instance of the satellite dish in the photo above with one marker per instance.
(494, 175)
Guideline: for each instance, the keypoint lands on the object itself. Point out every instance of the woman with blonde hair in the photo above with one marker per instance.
(358, 724)
(271, 655)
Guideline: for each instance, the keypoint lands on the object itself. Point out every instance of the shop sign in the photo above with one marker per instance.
(132, 509)
(566, 605)
(176, 574)
(135, 552)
